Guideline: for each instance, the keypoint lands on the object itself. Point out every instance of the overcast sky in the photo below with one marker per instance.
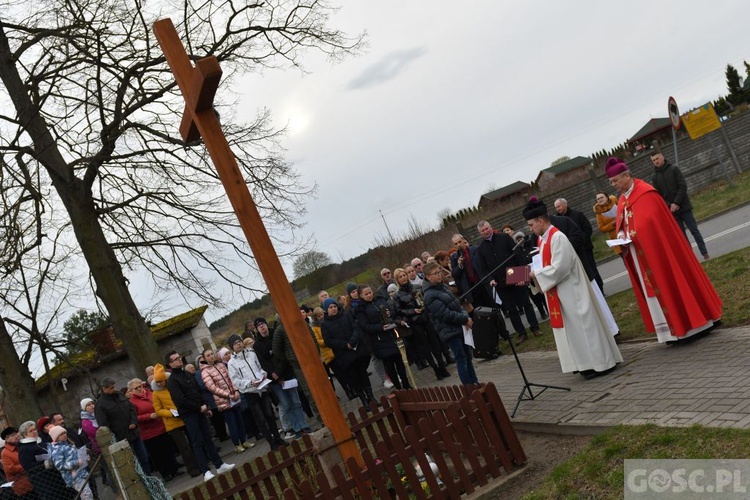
(454, 97)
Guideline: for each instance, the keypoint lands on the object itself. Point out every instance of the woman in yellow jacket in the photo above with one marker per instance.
(326, 354)
(606, 214)
(166, 409)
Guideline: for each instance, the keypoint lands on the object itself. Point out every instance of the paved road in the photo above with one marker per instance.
(723, 234)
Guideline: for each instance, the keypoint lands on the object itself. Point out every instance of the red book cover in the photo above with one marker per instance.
(516, 275)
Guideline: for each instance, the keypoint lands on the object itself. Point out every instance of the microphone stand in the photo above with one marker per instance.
(502, 264)
(527, 394)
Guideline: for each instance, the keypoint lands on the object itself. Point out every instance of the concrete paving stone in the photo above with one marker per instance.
(743, 423)
(706, 382)
(713, 420)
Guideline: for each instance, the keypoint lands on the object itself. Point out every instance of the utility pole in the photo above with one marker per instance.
(386, 227)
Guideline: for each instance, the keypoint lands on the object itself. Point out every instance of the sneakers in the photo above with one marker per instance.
(208, 475)
(224, 468)
(239, 449)
(247, 445)
(388, 384)
(706, 256)
(290, 434)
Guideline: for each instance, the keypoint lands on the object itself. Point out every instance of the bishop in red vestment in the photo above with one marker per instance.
(674, 294)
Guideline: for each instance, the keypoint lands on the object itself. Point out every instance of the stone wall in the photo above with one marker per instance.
(697, 161)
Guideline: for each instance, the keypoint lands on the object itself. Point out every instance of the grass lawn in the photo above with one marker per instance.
(598, 471)
(730, 275)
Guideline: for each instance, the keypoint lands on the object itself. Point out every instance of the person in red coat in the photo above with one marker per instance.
(674, 294)
(153, 433)
(12, 467)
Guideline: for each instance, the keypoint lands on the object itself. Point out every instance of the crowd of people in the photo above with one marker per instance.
(428, 303)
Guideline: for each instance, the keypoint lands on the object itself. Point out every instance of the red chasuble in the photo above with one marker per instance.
(553, 301)
(668, 265)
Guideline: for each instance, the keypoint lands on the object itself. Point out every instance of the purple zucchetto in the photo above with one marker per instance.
(615, 167)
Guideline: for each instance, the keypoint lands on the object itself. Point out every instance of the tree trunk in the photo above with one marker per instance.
(111, 286)
(129, 326)
(21, 403)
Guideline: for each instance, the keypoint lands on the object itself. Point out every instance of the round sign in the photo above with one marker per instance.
(674, 113)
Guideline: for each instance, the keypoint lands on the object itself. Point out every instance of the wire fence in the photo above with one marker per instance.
(46, 483)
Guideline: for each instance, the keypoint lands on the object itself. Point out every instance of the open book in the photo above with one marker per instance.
(618, 241)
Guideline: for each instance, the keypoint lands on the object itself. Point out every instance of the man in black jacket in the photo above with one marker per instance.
(561, 205)
(382, 296)
(113, 410)
(186, 395)
(495, 249)
(670, 183)
(464, 270)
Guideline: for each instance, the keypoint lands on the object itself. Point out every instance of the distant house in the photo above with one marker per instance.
(655, 132)
(510, 196)
(564, 174)
(187, 333)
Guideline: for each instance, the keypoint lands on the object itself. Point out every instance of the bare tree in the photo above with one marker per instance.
(560, 160)
(310, 262)
(19, 392)
(97, 112)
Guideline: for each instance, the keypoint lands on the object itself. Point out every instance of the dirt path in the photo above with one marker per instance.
(544, 451)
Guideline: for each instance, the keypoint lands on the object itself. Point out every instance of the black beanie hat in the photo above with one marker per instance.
(534, 208)
(232, 340)
(7, 432)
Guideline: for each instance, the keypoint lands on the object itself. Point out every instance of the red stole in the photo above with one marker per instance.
(553, 301)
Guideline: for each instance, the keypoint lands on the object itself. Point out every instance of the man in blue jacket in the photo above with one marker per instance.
(449, 319)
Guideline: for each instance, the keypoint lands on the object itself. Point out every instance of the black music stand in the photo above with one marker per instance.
(526, 393)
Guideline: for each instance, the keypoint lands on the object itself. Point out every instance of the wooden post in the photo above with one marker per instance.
(198, 86)
(121, 462)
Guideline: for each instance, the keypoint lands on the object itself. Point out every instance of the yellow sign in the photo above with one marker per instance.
(701, 121)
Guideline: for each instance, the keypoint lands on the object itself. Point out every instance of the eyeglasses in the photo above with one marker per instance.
(174, 358)
(417, 265)
(386, 274)
(616, 178)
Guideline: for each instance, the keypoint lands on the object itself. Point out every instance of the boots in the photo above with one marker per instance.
(441, 373)
(363, 399)
(370, 395)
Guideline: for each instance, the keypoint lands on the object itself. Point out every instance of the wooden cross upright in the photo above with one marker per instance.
(198, 86)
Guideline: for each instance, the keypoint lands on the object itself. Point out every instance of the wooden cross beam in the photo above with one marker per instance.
(198, 86)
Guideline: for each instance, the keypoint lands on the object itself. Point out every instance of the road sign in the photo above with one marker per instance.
(674, 113)
(701, 121)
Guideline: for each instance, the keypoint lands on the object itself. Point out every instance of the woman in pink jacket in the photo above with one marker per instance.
(216, 377)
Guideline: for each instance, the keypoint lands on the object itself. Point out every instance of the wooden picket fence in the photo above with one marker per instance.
(462, 433)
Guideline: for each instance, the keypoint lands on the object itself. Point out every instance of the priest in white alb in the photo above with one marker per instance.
(582, 333)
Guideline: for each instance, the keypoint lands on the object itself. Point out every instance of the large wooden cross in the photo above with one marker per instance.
(198, 85)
